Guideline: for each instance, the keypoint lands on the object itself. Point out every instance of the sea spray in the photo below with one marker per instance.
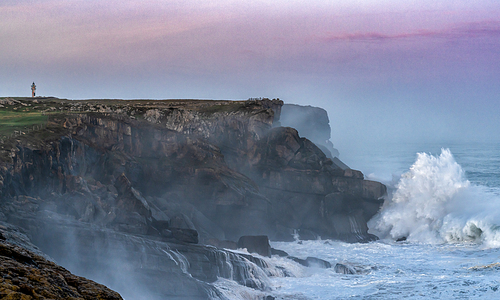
(451, 268)
(435, 203)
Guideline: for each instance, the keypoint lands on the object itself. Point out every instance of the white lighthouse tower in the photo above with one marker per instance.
(33, 89)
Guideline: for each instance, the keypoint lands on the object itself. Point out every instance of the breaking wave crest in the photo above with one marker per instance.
(435, 203)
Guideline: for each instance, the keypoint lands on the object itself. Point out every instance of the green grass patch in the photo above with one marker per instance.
(12, 121)
(217, 108)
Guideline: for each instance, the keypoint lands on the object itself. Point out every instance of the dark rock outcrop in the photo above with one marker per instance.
(312, 262)
(318, 263)
(344, 269)
(308, 190)
(279, 252)
(256, 244)
(183, 229)
(26, 275)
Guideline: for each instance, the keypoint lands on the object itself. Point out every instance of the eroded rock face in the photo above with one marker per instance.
(311, 193)
(225, 160)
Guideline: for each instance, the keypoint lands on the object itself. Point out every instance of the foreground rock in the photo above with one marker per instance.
(26, 275)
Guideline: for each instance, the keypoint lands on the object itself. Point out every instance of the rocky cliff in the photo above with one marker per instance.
(312, 123)
(155, 178)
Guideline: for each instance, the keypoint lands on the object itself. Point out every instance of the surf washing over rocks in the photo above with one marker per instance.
(444, 212)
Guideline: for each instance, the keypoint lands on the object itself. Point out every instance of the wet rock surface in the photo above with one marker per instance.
(312, 262)
(344, 269)
(26, 275)
(256, 244)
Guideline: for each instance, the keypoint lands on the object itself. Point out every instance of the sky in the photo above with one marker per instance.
(387, 71)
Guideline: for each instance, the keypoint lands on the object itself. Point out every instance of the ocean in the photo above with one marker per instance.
(443, 202)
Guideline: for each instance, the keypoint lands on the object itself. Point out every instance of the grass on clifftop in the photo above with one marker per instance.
(222, 107)
(12, 122)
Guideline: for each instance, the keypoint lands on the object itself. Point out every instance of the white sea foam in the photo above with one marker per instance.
(435, 203)
(393, 271)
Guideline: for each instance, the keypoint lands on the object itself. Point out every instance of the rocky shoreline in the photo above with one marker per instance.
(155, 189)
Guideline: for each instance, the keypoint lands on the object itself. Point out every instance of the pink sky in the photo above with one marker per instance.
(385, 65)
(221, 36)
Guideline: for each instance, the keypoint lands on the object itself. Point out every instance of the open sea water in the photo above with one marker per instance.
(444, 200)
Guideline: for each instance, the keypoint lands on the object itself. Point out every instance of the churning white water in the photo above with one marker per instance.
(390, 270)
(449, 213)
(435, 203)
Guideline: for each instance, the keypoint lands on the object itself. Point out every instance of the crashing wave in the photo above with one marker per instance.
(435, 203)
